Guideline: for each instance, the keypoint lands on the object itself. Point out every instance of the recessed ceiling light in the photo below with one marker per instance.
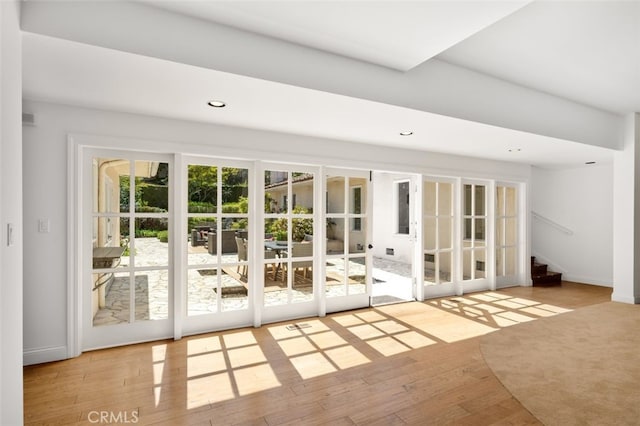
(408, 133)
(216, 104)
(590, 162)
(515, 150)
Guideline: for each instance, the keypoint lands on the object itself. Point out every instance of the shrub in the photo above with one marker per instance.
(146, 233)
(231, 208)
(149, 209)
(154, 195)
(151, 224)
(163, 236)
(201, 207)
(301, 226)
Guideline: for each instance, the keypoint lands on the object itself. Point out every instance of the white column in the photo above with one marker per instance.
(11, 407)
(626, 215)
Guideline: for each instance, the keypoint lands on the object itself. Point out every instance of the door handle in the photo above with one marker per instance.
(370, 246)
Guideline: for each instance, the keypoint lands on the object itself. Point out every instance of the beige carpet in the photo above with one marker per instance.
(576, 368)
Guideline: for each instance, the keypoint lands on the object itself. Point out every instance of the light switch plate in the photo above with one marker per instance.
(43, 225)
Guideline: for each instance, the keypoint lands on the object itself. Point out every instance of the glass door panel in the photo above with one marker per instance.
(474, 250)
(216, 237)
(437, 229)
(506, 235)
(127, 210)
(289, 241)
(346, 222)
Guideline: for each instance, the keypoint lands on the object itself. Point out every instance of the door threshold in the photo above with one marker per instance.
(388, 300)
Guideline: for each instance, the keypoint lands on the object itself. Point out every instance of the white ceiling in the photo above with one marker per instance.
(587, 51)
(584, 50)
(395, 34)
(79, 74)
(594, 63)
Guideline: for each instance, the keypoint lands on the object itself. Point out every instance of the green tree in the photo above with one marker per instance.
(202, 185)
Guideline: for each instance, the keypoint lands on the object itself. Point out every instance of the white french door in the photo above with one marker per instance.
(347, 268)
(290, 241)
(174, 244)
(127, 291)
(217, 288)
(181, 245)
(476, 268)
(507, 238)
(438, 227)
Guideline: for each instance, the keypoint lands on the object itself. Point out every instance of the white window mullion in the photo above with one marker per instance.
(457, 273)
(418, 258)
(256, 238)
(178, 203)
(320, 243)
(132, 240)
(490, 246)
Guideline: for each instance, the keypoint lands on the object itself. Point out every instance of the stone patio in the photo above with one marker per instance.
(152, 292)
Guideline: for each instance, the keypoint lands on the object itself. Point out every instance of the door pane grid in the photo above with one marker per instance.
(217, 239)
(474, 232)
(289, 237)
(130, 250)
(438, 232)
(506, 231)
(346, 224)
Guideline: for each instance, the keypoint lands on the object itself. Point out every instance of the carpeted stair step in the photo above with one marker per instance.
(549, 278)
(538, 269)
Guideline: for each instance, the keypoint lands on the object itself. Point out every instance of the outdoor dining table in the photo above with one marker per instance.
(277, 246)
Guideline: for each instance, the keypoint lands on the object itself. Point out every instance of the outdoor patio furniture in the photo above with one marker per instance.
(241, 245)
(299, 250)
(228, 241)
(270, 254)
(199, 235)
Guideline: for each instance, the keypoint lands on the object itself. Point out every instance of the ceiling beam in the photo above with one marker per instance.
(435, 86)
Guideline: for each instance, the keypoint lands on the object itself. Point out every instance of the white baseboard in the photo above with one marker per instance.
(41, 355)
(625, 299)
(587, 280)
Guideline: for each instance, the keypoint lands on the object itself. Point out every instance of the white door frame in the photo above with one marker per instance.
(516, 278)
(269, 314)
(488, 282)
(354, 301)
(449, 288)
(78, 142)
(136, 331)
(219, 320)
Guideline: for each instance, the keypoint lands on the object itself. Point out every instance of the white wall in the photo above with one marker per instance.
(581, 200)
(11, 411)
(45, 196)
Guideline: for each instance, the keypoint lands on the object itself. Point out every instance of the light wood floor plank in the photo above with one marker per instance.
(415, 363)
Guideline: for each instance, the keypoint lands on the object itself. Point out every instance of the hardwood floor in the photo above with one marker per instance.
(412, 363)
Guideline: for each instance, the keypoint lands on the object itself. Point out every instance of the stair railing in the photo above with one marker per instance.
(551, 223)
